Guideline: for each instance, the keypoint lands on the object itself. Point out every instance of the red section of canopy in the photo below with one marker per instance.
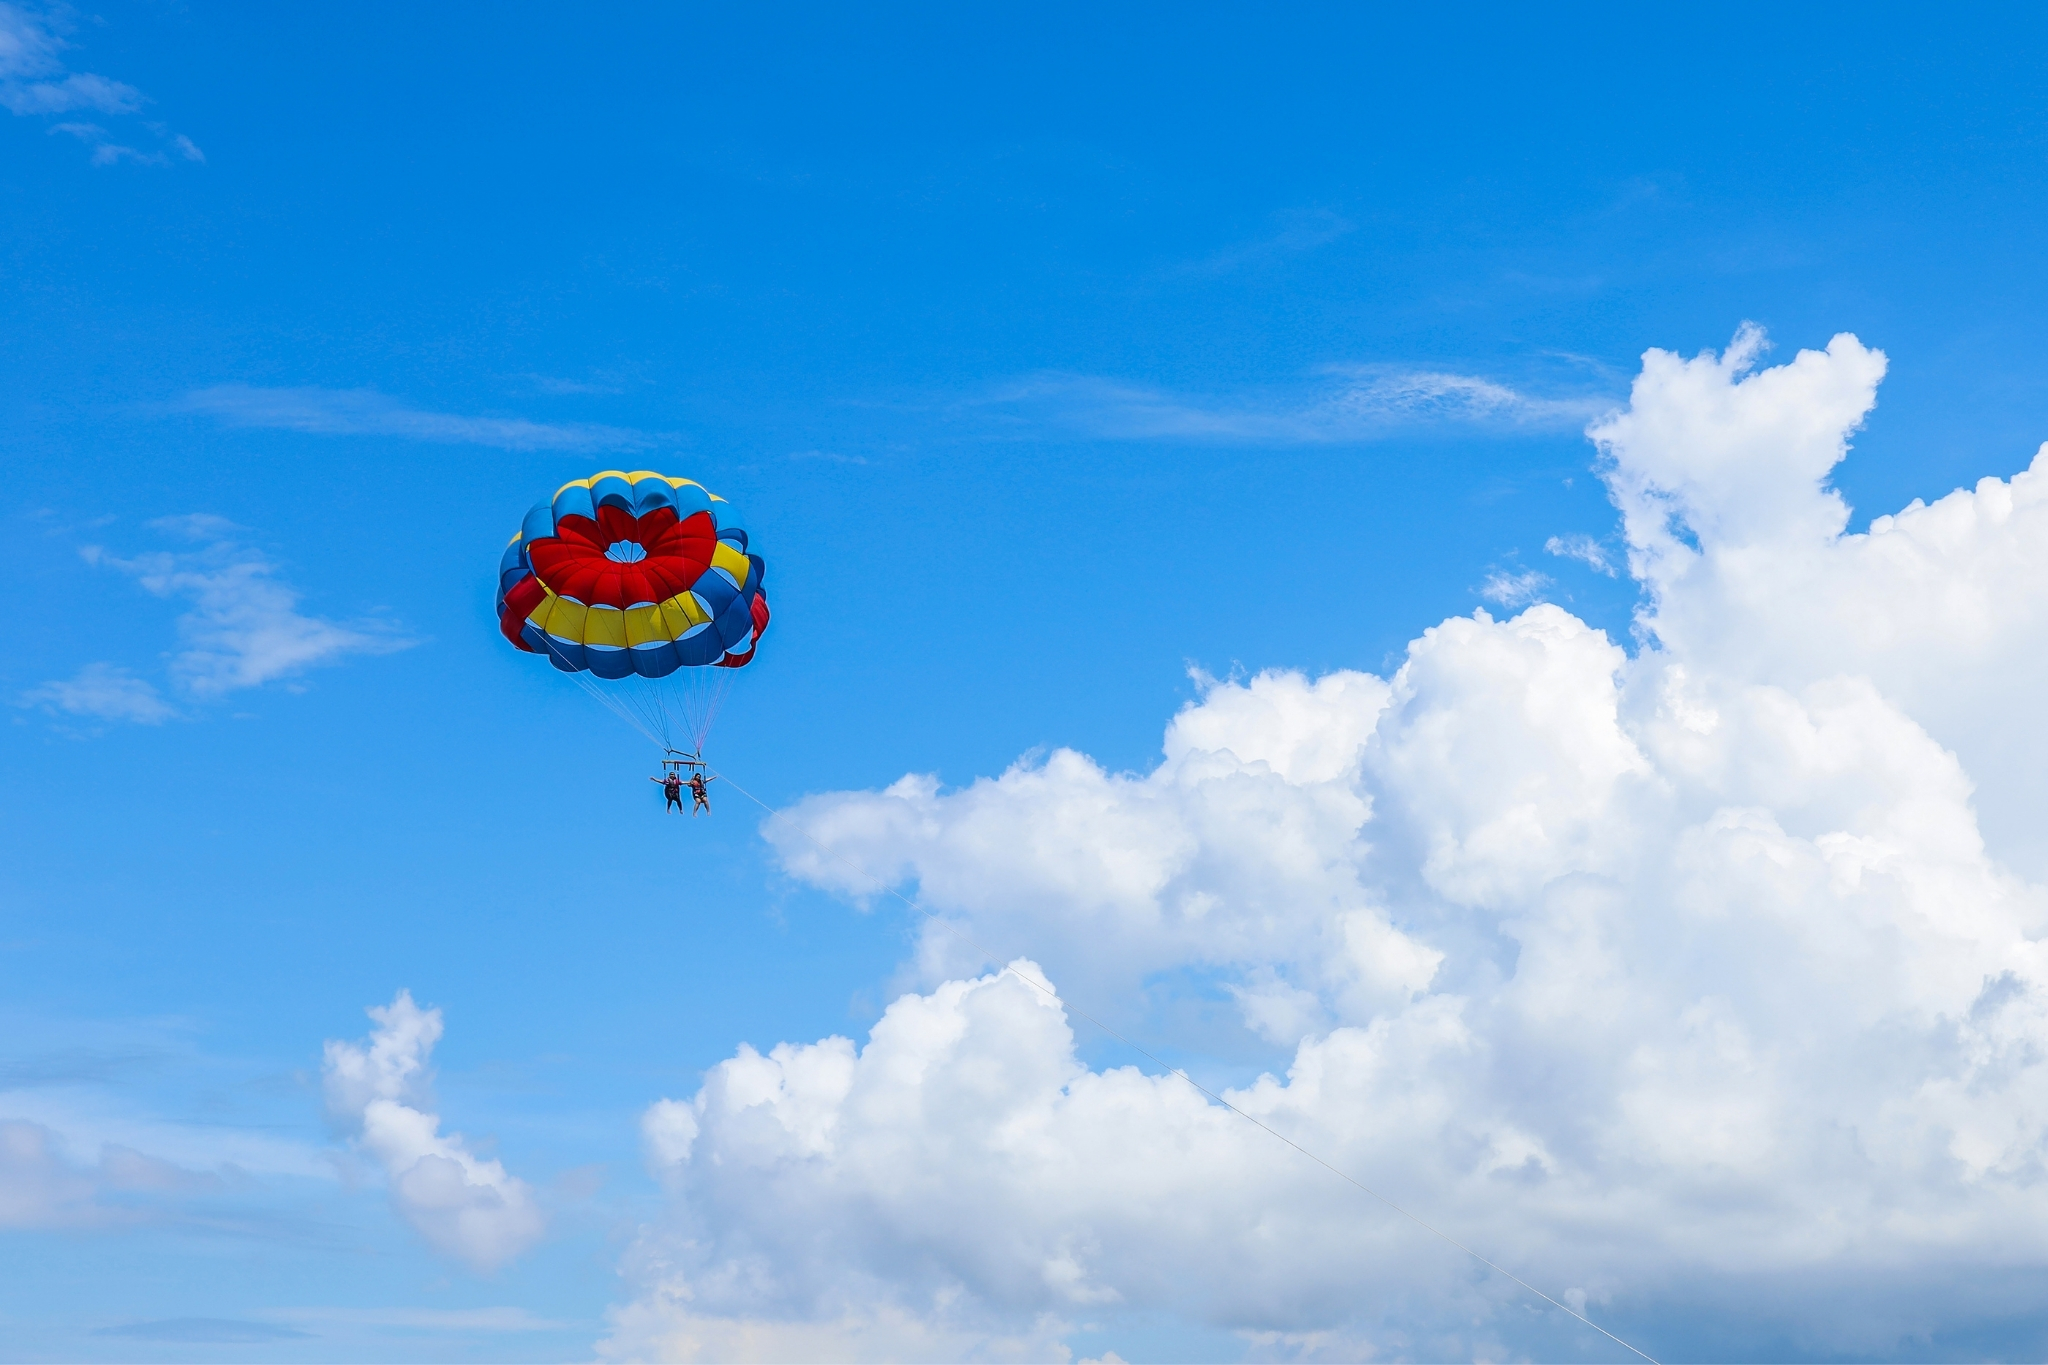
(525, 595)
(760, 614)
(572, 561)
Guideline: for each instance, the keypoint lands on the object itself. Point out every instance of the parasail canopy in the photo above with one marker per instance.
(641, 576)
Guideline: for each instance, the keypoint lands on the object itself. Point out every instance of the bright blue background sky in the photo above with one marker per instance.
(871, 278)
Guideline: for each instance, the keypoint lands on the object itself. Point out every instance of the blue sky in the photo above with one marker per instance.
(1055, 357)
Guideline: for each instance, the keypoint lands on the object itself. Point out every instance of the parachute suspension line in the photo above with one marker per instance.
(692, 697)
(668, 711)
(1047, 990)
(607, 700)
(679, 708)
(622, 708)
(633, 692)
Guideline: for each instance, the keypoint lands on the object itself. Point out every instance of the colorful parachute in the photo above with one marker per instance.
(639, 579)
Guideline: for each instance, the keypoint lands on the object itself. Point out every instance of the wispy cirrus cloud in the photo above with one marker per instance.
(1513, 589)
(82, 1151)
(203, 1331)
(41, 1188)
(101, 692)
(106, 151)
(35, 79)
(241, 628)
(1298, 231)
(424, 1319)
(1341, 403)
(828, 457)
(1583, 548)
(366, 412)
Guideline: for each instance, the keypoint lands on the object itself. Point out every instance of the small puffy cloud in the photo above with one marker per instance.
(101, 691)
(365, 412)
(1584, 549)
(1705, 987)
(464, 1206)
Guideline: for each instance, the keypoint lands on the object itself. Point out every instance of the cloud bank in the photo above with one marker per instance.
(43, 1186)
(465, 1207)
(1684, 984)
(77, 1155)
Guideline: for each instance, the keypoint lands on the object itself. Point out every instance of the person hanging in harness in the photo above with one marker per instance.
(702, 798)
(672, 787)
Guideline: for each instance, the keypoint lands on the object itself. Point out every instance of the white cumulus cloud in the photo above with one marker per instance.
(465, 1206)
(1687, 984)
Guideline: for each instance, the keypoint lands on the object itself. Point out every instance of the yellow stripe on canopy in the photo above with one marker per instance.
(559, 617)
(604, 626)
(644, 625)
(683, 613)
(733, 562)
